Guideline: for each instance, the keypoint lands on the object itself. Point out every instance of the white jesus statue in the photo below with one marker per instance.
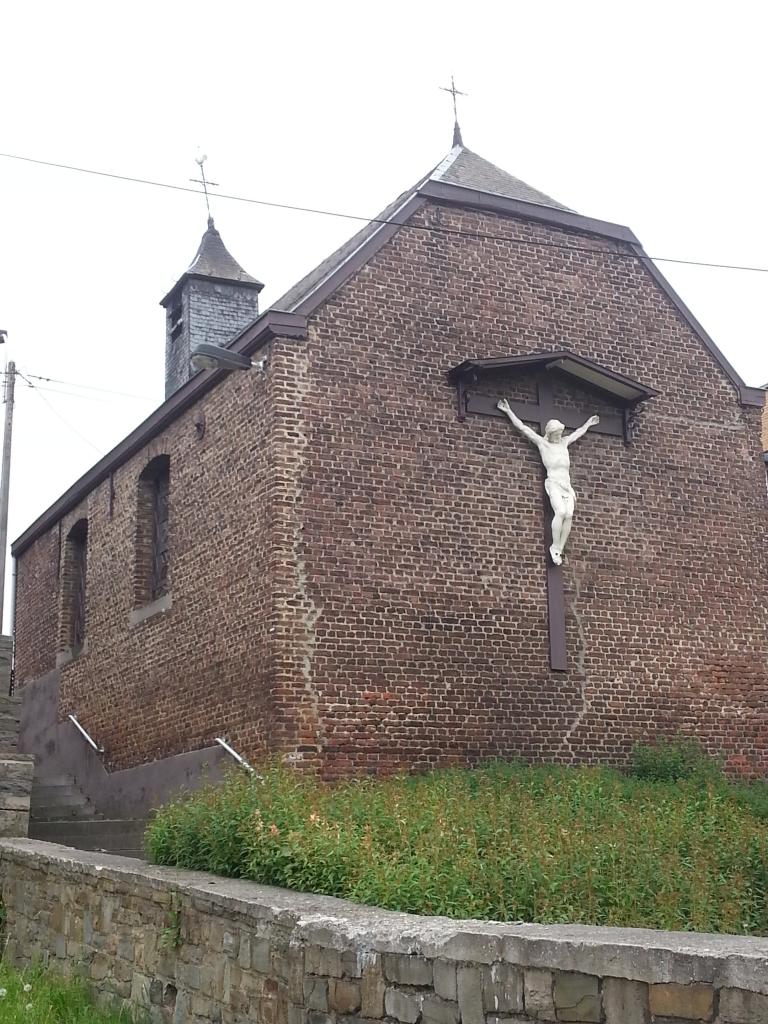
(553, 448)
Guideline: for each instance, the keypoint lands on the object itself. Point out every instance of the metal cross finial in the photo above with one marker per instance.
(457, 140)
(200, 161)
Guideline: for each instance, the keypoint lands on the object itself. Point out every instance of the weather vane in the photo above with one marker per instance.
(457, 140)
(200, 161)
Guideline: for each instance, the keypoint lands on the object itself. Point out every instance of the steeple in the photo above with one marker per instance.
(213, 300)
(214, 260)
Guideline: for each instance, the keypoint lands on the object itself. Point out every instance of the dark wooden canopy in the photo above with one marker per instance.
(616, 387)
(621, 391)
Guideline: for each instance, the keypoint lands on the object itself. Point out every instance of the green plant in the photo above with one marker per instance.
(35, 996)
(687, 851)
(170, 937)
(672, 760)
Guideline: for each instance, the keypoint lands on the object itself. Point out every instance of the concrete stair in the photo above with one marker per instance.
(121, 836)
(61, 813)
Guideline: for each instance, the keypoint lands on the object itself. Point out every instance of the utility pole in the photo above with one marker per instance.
(5, 477)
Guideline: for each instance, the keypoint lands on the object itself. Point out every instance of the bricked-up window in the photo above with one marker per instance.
(73, 588)
(152, 520)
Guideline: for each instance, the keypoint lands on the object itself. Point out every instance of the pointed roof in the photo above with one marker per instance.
(213, 260)
(460, 167)
(463, 167)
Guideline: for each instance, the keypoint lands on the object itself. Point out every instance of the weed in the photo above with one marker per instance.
(674, 848)
(170, 937)
(38, 997)
(672, 760)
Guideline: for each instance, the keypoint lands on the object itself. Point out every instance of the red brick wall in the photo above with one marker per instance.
(358, 577)
(37, 604)
(201, 669)
(423, 540)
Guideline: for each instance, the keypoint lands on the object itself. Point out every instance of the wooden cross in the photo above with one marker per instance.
(540, 412)
(621, 391)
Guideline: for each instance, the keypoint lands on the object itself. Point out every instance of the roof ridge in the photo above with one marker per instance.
(445, 163)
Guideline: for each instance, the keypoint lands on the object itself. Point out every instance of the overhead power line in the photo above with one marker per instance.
(69, 394)
(88, 387)
(58, 415)
(377, 220)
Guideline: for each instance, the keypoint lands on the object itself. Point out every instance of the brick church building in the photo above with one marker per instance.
(340, 553)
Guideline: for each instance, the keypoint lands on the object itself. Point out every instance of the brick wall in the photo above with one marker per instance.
(422, 535)
(37, 605)
(357, 577)
(146, 688)
(185, 946)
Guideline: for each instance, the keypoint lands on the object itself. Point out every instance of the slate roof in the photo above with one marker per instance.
(214, 260)
(461, 167)
(472, 171)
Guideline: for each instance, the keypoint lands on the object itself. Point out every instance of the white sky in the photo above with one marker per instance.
(651, 115)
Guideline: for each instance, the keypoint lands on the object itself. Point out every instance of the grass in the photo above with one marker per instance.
(36, 997)
(674, 845)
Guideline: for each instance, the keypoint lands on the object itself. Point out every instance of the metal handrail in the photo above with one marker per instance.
(240, 760)
(84, 734)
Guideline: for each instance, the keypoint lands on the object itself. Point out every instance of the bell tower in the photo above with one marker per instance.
(213, 300)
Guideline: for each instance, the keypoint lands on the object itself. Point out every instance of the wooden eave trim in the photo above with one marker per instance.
(358, 258)
(271, 324)
(746, 394)
(460, 195)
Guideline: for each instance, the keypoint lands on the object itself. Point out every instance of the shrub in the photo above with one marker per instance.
(673, 760)
(503, 842)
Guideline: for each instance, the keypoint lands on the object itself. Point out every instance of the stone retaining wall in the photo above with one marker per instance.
(193, 948)
(16, 771)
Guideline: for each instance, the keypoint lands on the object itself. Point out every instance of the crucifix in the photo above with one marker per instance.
(200, 161)
(622, 392)
(457, 141)
(553, 448)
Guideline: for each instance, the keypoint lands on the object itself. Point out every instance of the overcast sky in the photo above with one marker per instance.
(651, 115)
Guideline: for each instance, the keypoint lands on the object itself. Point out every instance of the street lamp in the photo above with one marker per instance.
(214, 357)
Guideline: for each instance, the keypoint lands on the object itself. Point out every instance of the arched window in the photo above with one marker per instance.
(74, 573)
(152, 554)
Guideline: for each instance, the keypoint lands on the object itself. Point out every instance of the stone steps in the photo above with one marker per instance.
(61, 813)
(60, 800)
(10, 720)
(15, 770)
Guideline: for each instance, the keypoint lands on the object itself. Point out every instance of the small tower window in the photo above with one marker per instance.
(73, 589)
(152, 532)
(176, 318)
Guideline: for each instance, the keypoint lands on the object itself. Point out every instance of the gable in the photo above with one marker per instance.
(463, 181)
